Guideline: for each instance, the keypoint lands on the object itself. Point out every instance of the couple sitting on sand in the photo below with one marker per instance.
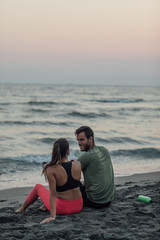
(66, 194)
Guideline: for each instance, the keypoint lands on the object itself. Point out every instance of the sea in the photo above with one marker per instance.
(125, 119)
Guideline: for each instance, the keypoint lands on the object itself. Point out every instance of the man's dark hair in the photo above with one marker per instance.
(87, 130)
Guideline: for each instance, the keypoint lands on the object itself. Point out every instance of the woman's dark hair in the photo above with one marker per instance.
(87, 130)
(59, 151)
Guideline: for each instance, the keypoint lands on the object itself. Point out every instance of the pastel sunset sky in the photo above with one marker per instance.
(80, 41)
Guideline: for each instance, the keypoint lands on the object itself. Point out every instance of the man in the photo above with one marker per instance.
(99, 188)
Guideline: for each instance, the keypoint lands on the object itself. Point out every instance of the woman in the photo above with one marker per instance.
(63, 196)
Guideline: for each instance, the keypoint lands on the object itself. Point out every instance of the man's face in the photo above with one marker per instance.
(83, 142)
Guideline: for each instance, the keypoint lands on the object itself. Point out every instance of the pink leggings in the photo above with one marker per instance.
(62, 206)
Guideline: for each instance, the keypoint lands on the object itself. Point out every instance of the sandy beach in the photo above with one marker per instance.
(125, 218)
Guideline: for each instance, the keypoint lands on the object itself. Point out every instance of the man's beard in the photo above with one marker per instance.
(86, 148)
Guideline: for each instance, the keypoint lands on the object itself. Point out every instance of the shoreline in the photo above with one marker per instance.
(118, 180)
(125, 218)
(20, 181)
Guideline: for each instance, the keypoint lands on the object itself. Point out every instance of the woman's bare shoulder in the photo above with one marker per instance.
(52, 169)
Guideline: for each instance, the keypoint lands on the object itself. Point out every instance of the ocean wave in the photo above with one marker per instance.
(39, 110)
(36, 158)
(122, 140)
(147, 153)
(120, 100)
(47, 140)
(37, 123)
(89, 115)
(5, 103)
(28, 162)
(11, 165)
(139, 109)
(41, 103)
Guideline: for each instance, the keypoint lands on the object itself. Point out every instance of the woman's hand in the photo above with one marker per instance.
(46, 220)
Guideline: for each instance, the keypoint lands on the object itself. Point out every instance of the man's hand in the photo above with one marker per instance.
(46, 220)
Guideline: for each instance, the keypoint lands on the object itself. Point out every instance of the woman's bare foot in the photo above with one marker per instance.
(23, 207)
(43, 208)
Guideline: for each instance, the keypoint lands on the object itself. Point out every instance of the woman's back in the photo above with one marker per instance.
(67, 176)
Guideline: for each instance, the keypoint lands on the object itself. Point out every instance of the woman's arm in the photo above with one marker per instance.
(52, 195)
(76, 170)
(52, 198)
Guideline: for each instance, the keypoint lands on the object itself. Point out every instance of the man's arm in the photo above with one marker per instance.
(84, 160)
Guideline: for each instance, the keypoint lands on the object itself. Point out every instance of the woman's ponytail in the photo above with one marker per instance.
(59, 151)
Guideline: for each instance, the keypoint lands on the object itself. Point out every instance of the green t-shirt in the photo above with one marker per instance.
(98, 175)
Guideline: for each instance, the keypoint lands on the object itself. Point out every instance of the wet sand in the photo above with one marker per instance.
(125, 218)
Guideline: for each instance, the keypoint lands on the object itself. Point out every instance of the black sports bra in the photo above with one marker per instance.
(71, 182)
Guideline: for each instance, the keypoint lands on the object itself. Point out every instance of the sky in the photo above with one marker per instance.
(111, 42)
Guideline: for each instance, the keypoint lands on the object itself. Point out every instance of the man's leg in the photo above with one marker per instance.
(88, 203)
